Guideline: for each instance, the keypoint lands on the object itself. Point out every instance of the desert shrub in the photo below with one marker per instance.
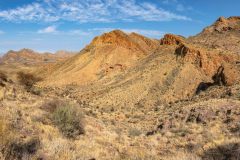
(12, 146)
(133, 132)
(3, 77)
(22, 149)
(222, 152)
(69, 120)
(28, 80)
(51, 105)
(36, 91)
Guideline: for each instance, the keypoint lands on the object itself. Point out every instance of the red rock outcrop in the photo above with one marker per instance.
(209, 62)
(171, 39)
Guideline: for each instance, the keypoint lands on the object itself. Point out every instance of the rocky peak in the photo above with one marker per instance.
(171, 39)
(115, 37)
(118, 38)
(223, 24)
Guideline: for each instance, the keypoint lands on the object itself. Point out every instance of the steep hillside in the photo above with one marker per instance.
(108, 54)
(130, 69)
(223, 34)
(173, 72)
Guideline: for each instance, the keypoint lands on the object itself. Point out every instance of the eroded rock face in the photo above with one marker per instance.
(218, 67)
(225, 24)
(170, 39)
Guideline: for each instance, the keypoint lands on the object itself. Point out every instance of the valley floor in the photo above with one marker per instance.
(205, 127)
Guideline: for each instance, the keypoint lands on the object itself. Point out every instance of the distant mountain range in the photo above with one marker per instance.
(30, 57)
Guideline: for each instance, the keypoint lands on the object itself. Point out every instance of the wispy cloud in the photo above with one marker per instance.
(179, 6)
(49, 29)
(89, 11)
(53, 30)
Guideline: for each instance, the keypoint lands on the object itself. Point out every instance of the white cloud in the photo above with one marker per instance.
(2, 32)
(49, 29)
(89, 11)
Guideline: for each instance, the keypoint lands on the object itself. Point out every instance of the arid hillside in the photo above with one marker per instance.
(121, 66)
(109, 54)
(224, 34)
(126, 96)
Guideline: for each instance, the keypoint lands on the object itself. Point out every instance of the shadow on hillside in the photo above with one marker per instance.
(229, 151)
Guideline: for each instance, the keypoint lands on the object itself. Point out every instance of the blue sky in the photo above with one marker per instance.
(51, 25)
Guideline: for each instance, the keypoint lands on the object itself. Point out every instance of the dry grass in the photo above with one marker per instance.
(6, 134)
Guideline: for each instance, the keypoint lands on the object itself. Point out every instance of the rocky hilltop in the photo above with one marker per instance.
(224, 34)
(107, 55)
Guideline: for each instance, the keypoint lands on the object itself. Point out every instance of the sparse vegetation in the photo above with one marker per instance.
(12, 146)
(222, 152)
(69, 120)
(20, 149)
(51, 105)
(133, 132)
(3, 76)
(28, 80)
(6, 133)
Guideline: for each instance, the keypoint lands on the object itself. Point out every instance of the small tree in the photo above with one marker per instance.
(27, 79)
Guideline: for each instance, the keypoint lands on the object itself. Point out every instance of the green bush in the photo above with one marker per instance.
(69, 120)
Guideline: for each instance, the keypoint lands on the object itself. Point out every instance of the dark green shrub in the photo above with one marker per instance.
(69, 120)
